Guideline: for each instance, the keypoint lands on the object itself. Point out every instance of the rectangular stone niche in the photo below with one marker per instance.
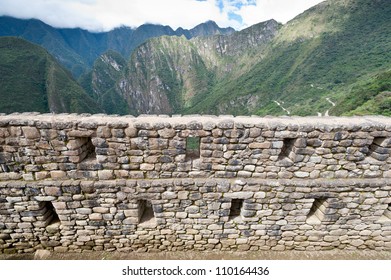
(387, 214)
(81, 149)
(146, 215)
(49, 214)
(287, 149)
(378, 149)
(192, 148)
(317, 211)
(236, 210)
(4, 168)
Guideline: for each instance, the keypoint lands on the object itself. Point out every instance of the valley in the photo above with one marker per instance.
(333, 59)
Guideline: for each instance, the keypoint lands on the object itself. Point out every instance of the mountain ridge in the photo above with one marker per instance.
(333, 59)
(77, 49)
(32, 80)
(167, 74)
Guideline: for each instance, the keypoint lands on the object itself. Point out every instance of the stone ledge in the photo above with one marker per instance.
(92, 121)
(350, 183)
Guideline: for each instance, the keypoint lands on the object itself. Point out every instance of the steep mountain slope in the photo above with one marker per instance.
(307, 67)
(367, 96)
(335, 59)
(311, 62)
(101, 83)
(31, 80)
(170, 74)
(164, 74)
(77, 49)
(46, 36)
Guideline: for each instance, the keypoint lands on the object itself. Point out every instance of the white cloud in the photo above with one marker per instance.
(98, 15)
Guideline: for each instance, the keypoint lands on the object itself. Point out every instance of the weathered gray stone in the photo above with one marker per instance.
(301, 174)
(31, 132)
(144, 192)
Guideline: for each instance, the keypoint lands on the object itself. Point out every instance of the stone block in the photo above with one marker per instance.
(84, 211)
(167, 133)
(239, 195)
(76, 143)
(131, 213)
(147, 167)
(226, 124)
(192, 209)
(102, 210)
(95, 216)
(300, 174)
(31, 132)
(105, 174)
(130, 221)
(53, 191)
(357, 242)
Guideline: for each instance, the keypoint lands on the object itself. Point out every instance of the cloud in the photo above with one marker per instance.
(104, 15)
(99, 15)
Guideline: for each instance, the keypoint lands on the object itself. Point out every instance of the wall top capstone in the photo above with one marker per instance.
(155, 121)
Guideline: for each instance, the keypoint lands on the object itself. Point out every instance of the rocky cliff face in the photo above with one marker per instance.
(169, 74)
(77, 49)
(164, 74)
(312, 64)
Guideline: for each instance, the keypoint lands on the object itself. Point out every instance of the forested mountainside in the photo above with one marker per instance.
(314, 64)
(333, 59)
(31, 80)
(168, 74)
(77, 49)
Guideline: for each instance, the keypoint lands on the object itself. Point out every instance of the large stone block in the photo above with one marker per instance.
(31, 132)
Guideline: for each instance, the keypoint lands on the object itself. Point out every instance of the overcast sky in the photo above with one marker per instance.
(104, 15)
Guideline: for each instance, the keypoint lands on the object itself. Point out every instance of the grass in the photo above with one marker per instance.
(31, 80)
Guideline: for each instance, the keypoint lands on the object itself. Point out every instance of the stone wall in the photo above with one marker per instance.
(79, 182)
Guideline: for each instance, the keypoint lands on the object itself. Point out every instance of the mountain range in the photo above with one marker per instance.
(32, 80)
(77, 49)
(333, 59)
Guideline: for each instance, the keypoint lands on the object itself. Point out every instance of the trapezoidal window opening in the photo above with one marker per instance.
(287, 148)
(146, 216)
(87, 150)
(235, 210)
(49, 213)
(192, 147)
(387, 213)
(81, 149)
(378, 149)
(4, 168)
(317, 211)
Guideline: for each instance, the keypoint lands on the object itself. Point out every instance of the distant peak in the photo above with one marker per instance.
(210, 27)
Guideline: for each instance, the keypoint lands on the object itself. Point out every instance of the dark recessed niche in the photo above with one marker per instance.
(317, 211)
(50, 213)
(87, 150)
(377, 149)
(4, 168)
(145, 212)
(236, 209)
(287, 148)
(387, 213)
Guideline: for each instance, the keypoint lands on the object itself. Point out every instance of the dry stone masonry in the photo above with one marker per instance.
(158, 183)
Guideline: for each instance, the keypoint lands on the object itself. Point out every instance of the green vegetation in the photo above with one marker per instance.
(372, 96)
(31, 80)
(305, 69)
(335, 59)
(22, 77)
(101, 82)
